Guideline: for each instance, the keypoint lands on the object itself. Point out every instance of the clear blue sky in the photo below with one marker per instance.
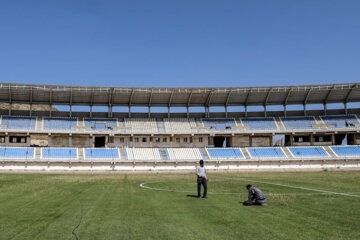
(180, 43)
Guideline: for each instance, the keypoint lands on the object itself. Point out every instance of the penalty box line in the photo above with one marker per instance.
(290, 186)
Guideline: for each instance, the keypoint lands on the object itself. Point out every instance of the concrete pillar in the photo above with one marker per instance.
(70, 110)
(312, 139)
(110, 111)
(149, 112)
(129, 111)
(345, 108)
(31, 110)
(226, 112)
(10, 108)
(91, 111)
(246, 113)
(187, 111)
(305, 110)
(50, 112)
(285, 113)
(168, 111)
(265, 111)
(333, 139)
(325, 109)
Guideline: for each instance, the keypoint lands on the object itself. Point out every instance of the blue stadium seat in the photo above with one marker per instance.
(17, 153)
(51, 123)
(299, 122)
(59, 153)
(308, 152)
(267, 152)
(23, 123)
(224, 153)
(102, 153)
(102, 124)
(347, 151)
(259, 123)
(219, 123)
(340, 121)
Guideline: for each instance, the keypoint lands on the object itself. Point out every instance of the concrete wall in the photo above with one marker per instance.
(240, 141)
(261, 141)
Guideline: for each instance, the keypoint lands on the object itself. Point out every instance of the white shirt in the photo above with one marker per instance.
(201, 171)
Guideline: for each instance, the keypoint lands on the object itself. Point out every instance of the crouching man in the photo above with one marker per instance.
(256, 197)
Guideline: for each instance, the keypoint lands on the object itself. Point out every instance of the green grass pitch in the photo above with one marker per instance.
(47, 206)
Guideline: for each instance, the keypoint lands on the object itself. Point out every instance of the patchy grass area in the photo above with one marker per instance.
(42, 206)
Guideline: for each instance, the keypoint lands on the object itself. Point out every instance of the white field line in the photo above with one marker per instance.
(289, 186)
(143, 185)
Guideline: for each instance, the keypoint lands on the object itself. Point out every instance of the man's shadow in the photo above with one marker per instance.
(194, 196)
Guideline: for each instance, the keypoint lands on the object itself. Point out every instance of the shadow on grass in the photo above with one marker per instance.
(194, 196)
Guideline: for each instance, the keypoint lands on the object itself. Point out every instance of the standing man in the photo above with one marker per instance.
(256, 196)
(201, 178)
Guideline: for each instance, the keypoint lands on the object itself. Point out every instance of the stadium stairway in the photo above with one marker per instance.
(81, 154)
(204, 153)
(122, 154)
(163, 154)
(39, 124)
(329, 151)
(245, 153)
(37, 153)
(279, 124)
(287, 152)
(320, 123)
(160, 124)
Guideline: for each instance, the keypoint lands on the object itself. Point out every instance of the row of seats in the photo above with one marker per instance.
(155, 154)
(184, 153)
(151, 154)
(177, 124)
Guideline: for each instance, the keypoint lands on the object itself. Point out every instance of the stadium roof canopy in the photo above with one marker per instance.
(179, 97)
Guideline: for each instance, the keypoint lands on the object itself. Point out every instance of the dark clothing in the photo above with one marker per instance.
(204, 183)
(256, 194)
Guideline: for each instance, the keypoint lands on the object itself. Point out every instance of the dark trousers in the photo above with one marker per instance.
(204, 183)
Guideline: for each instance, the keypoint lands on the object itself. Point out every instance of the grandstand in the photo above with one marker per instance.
(71, 140)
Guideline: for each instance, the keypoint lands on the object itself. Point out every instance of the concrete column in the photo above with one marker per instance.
(110, 111)
(285, 113)
(30, 110)
(345, 108)
(149, 112)
(305, 110)
(265, 111)
(226, 112)
(50, 112)
(312, 139)
(10, 108)
(333, 139)
(70, 141)
(168, 111)
(325, 109)
(129, 111)
(91, 111)
(246, 113)
(187, 111)
(70, 110)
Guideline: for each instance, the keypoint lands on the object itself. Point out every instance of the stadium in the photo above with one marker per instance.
(131, 141)
(177, 120)
(306, 162)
